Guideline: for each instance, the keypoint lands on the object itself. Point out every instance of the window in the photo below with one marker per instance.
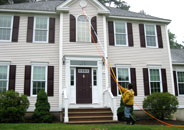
(84, 63)
(41, 29)
(155, 80)
(72, 77)
(180, 76)
(123, 77)
(94, 77)
(4, 76)
(6, 23)
(39, 79)
(83, 32)
(151, 39)
(120, 33)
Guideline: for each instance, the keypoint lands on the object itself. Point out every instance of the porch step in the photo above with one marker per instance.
(90, 116)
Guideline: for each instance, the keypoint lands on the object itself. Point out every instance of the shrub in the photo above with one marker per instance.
(161, 105)
(42, 111)
(12, 107)
(120, 111)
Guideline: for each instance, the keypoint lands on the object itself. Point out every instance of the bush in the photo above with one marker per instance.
(120, 111)
(12, 107)
(42, 111)
(161, 105)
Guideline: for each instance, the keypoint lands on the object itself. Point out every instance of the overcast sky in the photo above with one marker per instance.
(168, 9)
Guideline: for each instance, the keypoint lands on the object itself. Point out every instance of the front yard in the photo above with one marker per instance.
(60, 126)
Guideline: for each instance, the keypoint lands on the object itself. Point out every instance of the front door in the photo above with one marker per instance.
(83, 86)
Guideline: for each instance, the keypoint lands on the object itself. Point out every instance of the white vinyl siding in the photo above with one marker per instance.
(151, 36)
(180, 79)
(39, 79)
(155, 80)
(123, 76)
(6, 24)
(4, 76)
(41, 29)
(120, 33)
(83, 32)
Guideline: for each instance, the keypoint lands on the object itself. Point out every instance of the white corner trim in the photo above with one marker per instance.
(27, 11)
(141, 19)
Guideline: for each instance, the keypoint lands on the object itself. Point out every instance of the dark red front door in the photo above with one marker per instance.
(83, 86)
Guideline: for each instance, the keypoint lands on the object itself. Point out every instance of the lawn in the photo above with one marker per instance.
(60, 126)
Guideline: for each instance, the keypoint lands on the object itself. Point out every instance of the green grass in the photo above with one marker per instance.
(60, 126)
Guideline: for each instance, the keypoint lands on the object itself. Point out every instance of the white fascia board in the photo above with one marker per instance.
(141, 19)
(27, 11)
(178, 63)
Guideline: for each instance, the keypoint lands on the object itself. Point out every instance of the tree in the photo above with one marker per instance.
(116, 3)
(15, 1)
(173, 42)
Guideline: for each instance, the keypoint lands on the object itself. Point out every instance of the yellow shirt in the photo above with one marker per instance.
(128, 96)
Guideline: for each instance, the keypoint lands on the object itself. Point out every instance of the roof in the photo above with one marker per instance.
(51, 5)
(177, 56)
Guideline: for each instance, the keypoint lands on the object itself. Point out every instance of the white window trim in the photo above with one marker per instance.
(7, 78)
(93, 77)
(46, 75)
(117, 77)
(161, 86)
(90, 40)
(126, 32)
(156, 38)
(12, 19)
(34, 29)
(178, 82)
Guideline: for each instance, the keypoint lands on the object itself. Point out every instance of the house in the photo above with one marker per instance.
(47, 45)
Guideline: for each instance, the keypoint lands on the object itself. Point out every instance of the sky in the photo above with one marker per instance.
(168, 9)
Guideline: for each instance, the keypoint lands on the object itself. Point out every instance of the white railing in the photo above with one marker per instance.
(66, 103)
(111, 101)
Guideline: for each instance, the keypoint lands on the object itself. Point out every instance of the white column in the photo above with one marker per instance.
(60, 59)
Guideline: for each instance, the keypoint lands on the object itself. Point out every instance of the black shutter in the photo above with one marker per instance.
(51, 30)
(12, 77)
(146, 81)
(142, 35)
(30, 29)
(113, 83)
(175, 83)
(164, 80)
(159, 36)
(130, 34)
(27, 80)
(133, 79)
(72, 28)
(94, 24)
(15, 32)
(111, 33)
(50, 82)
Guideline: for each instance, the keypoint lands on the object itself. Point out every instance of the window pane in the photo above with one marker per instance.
(3, 85)
(151, 40)
(5, 33)
(37, 86)
(123, 74)
(40, 35)
(5, 21)
(3, 72)
(120, 39)
(155, 87)
(39, 72)
(150, 30)
(120, 27)
(41, 23)
(180, 76)
(181, 88)
(94, 77)
(93, 63)
(154, 75)
(72, 77)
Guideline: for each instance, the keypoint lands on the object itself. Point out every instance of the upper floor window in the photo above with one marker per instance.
(155, 80)
(39, 78)
(180, 76)
(41, 26)
(123, 77)
(151, 35)
(4, 77)
(120, 33)
(83, 32)
(6, 23)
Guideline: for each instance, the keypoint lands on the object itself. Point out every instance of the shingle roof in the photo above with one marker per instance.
(52, 4)
(177, 55)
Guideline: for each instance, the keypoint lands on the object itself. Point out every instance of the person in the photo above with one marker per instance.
(128, 100)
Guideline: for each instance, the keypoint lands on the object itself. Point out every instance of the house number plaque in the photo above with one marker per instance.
(86, 71)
